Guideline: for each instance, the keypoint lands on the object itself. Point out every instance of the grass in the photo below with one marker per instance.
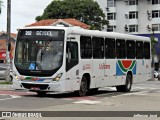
(5, 83)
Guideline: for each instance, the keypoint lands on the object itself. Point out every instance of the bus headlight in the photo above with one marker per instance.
(16, 78)
(57, 78)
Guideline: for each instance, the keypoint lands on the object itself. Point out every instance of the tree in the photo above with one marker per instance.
(87, 11)
(1, 6)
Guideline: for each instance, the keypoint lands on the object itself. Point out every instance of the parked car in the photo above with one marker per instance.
(3, 73)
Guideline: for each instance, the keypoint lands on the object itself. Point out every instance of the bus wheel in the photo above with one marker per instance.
(83, 87)
(127, 86)
(41, 93)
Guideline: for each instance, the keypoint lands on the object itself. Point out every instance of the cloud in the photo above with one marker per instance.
(23, 12)
(29, 8)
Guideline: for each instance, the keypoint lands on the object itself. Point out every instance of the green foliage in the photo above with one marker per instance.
(87, 11)
(5, 83)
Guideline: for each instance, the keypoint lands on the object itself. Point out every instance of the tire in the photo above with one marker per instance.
(11, 79)
(41, 93)
(83, 87)
(128, 85)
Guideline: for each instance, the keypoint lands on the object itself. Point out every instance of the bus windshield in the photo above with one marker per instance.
(38, 55)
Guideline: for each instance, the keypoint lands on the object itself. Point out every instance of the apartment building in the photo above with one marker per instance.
(141, 17)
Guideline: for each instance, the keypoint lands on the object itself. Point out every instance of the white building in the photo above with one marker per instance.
(132, 16)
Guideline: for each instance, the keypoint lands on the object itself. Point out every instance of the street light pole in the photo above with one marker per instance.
(8, 45)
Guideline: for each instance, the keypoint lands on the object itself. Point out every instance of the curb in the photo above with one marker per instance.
(6, 87)
(153, 79)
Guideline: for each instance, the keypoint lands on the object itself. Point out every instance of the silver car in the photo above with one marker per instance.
(3, 73)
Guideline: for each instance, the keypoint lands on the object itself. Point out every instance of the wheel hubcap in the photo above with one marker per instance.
(83, 87)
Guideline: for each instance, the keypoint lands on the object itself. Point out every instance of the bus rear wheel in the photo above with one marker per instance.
(83, 87)
(128, 85)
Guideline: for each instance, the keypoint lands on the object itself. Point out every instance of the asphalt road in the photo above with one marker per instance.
(143, 97)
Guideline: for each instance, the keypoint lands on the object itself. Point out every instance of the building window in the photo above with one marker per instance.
(110, 3)
(155, 13)
(133, 15)
(133, 28)
(155, 27)
(133, 2)
(111, 28)
(155, 2)
(111, 16)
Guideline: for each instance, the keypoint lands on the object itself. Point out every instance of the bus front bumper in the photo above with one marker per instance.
(35, 86)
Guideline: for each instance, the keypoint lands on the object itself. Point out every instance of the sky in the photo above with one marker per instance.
(23, 12)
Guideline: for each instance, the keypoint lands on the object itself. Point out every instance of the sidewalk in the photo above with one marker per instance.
(5, 86)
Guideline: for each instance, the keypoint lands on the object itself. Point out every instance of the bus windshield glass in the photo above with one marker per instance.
(39, 52)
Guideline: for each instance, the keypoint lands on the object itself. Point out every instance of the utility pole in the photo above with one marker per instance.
(8, 45)
(153, 53)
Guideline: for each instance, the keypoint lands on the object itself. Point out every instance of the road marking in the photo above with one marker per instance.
(12, 97)
(89, 102)
(15, 96)
(81, 98)
(16, 93)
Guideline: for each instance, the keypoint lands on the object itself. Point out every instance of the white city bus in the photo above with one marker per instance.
(62, 59)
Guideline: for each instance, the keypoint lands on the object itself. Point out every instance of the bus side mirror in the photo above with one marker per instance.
(9, 46)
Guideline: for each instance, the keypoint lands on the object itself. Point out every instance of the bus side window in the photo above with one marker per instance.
(71, 55)
(139, 50)
(110, 50)
(146, 50)
(98, 47)
(120, 49)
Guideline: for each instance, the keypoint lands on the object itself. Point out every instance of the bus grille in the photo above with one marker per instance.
(40, 86)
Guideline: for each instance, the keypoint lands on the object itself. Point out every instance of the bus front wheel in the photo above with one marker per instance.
(83, 87)
(127, 86)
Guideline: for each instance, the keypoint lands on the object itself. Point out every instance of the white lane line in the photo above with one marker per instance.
(89, 102)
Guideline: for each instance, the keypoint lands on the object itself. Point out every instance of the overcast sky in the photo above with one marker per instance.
(23, 12)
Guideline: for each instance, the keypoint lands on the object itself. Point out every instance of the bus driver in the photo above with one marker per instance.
(49, 56)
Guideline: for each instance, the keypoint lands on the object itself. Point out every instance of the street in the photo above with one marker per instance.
(143, 97)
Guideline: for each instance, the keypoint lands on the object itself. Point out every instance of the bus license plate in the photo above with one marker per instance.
(35, 88)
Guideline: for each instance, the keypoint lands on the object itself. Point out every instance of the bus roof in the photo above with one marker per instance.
(97, 33)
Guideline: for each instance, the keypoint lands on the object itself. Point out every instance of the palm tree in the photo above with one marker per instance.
(0, 5)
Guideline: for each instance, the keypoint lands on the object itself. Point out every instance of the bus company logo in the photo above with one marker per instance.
(86, 67)
(123, 66)
(104, 66)
(33, 79)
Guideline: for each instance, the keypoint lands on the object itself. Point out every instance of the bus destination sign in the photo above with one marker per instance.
(51, 33)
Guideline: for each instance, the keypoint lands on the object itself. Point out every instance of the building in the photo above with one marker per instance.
(65, 22)
(141, 17)
(3, 38)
